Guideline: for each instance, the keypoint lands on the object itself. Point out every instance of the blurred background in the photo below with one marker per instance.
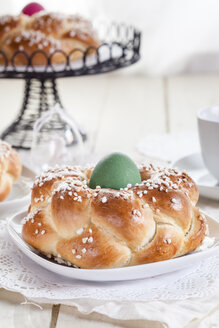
(178, 35)
(125, 110)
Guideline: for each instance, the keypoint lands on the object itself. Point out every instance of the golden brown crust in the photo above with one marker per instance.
(9, 23)
(104, 228)
(10, 169)
(39, 232)
(47, 23)
(126, 219)
(195, 235)
(69, 216)
(47, 32)
(165, 244)
(103, 251)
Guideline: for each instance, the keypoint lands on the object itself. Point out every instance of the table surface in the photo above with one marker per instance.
(116, 110)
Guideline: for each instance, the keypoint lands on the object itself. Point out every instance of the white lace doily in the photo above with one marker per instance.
(18, 273)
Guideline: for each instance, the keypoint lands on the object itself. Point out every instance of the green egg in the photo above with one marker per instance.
(115, 171)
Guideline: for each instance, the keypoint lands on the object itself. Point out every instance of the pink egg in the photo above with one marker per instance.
(32, 8)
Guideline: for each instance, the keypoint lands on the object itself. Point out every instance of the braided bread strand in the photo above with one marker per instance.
(48, 32)
(104, 228)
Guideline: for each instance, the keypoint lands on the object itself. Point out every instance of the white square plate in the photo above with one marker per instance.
(117, 274)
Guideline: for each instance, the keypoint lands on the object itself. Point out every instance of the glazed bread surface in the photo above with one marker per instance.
(103, 228)
(10, 169)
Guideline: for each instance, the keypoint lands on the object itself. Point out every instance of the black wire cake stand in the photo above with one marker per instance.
(121, 48)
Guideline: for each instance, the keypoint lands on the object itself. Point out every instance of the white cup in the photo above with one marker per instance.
(208, 126)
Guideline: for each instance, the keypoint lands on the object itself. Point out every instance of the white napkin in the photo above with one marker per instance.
(169, 147)
(155, 314)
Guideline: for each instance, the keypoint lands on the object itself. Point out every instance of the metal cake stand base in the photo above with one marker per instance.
(39, 96)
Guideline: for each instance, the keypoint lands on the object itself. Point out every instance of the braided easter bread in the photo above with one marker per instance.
(10, 169)
(48, 32)
(104, 228)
